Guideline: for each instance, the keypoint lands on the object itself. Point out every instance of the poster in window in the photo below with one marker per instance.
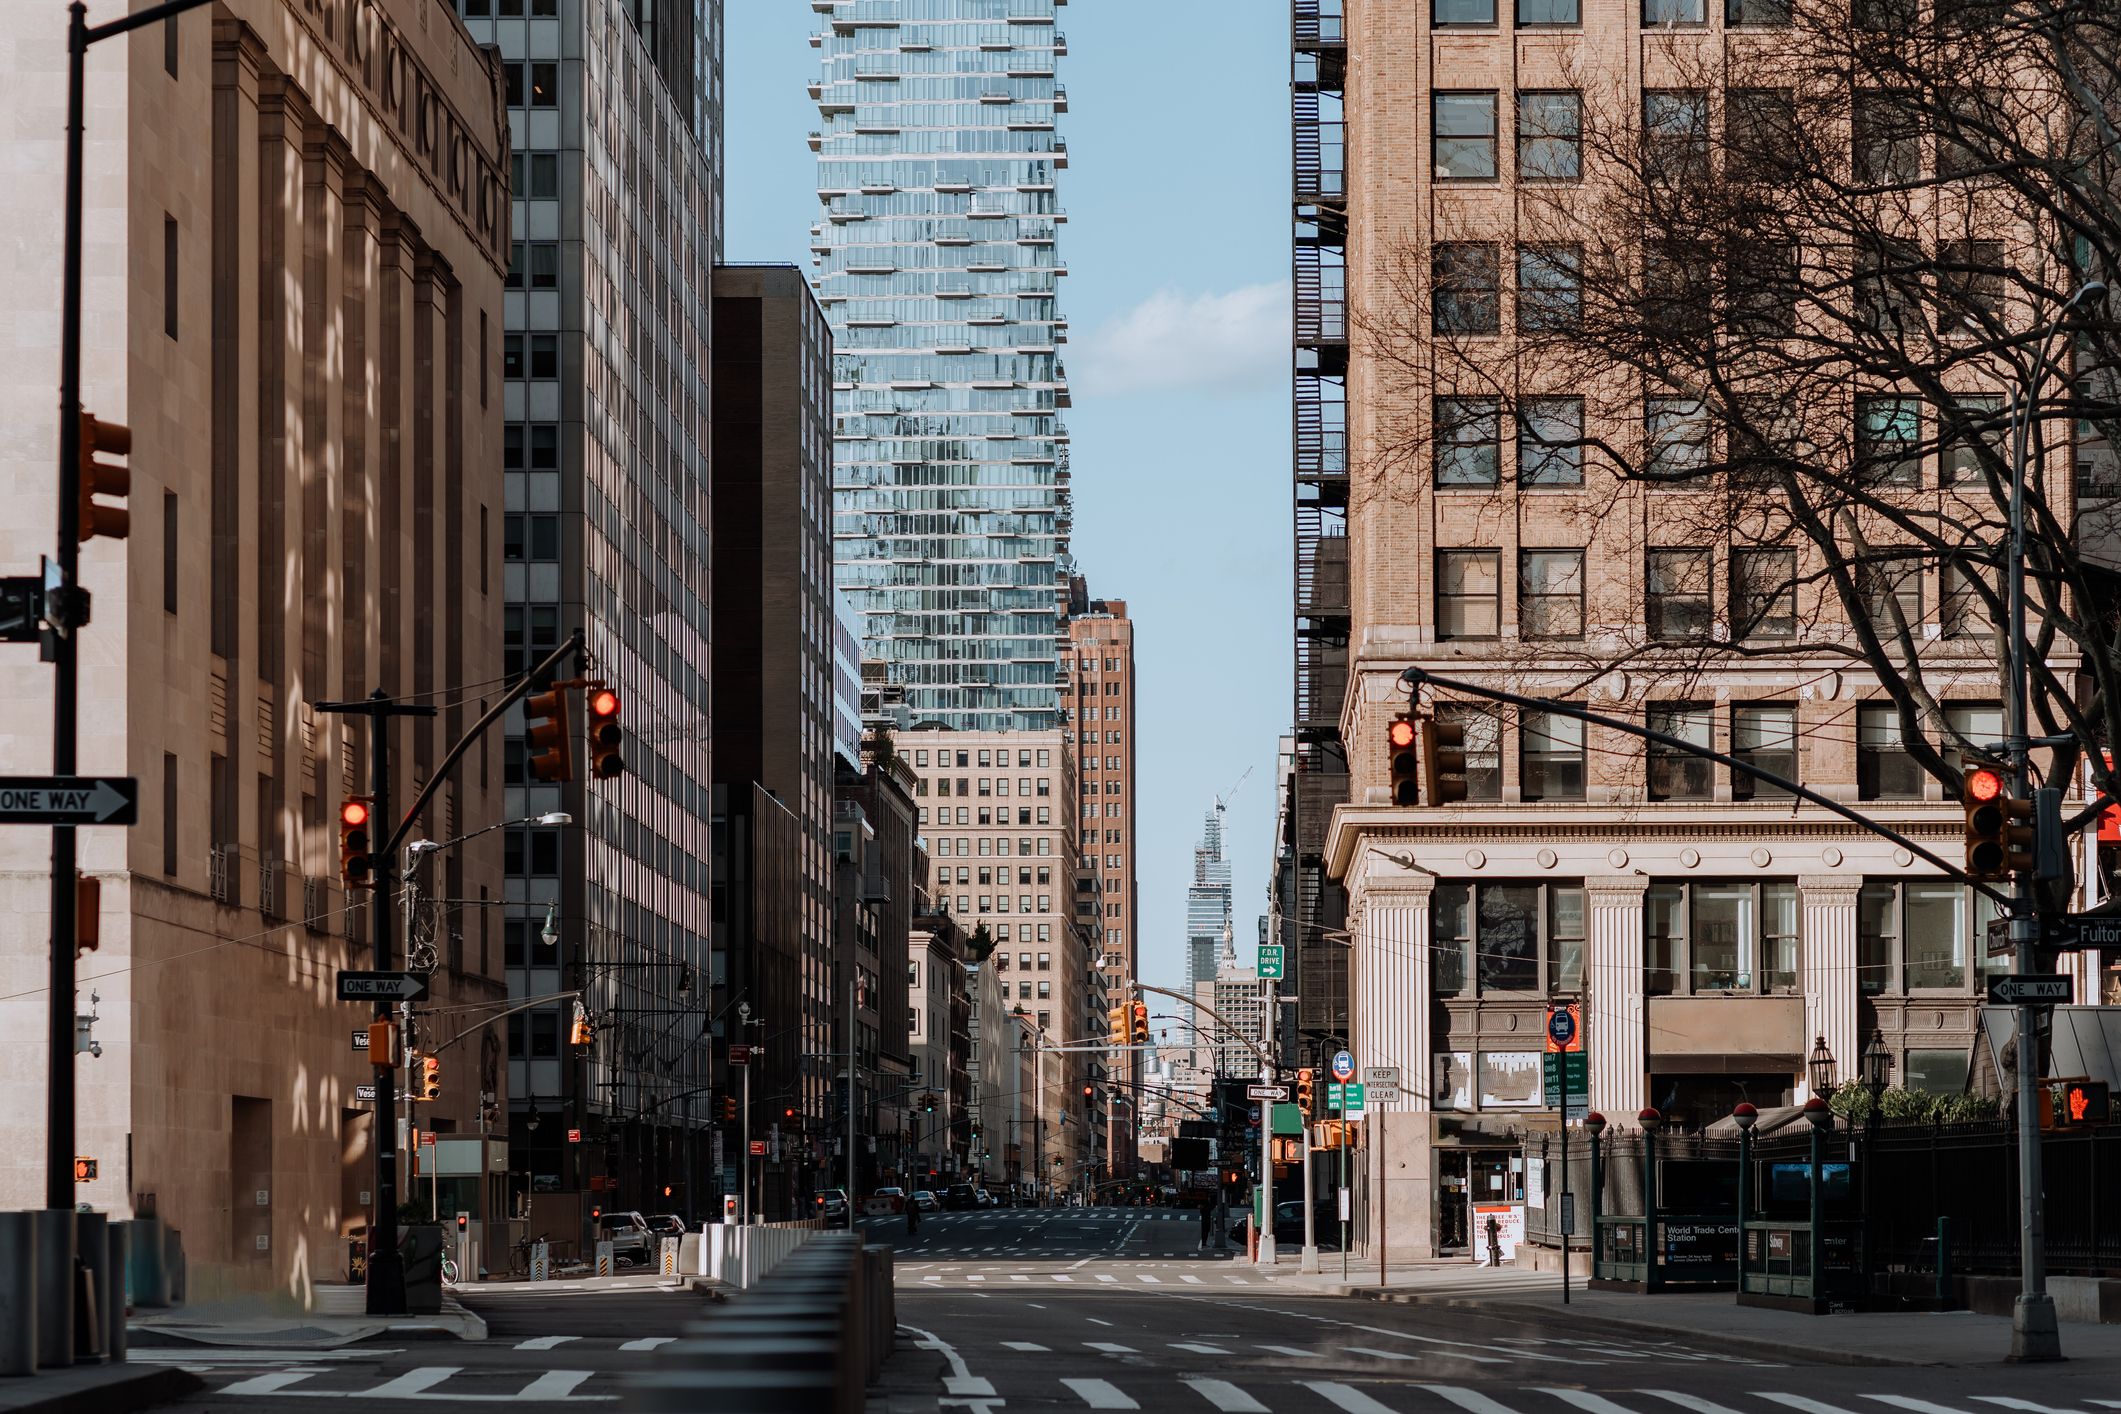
(1509, 1079)
(1454, 1080)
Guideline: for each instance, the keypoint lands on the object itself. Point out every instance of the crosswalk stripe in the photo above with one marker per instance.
(1194, 1349)
(1099, 1394)
(553, 1384)
(1110, 1349)
(1227, 1397)
(1692, 1402)
(647, 1342)
(976, 1276)
(1238, 1281)
(1588, 1402)
(1918, 1406)
(268, 1384)
(1019, 1277)
(1153, 1281)
(1379, 1354)
(1289, 1350)
(544, 1342)
(1345, 1397)
(1062, 1276)
(1472, 1401)
(1798, 1401)
(1104, 1276)
(2027, 1405)
(411, 1382)
(1189, 1278)
(1024, 1345)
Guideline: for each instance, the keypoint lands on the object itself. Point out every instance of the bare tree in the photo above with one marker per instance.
(1804, 269)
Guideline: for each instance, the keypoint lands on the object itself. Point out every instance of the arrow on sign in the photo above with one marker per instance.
(1266, 1092)
(68, 800)
(381, 987)
(2020, 990)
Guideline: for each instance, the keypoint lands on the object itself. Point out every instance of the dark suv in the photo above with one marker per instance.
(959, 1197)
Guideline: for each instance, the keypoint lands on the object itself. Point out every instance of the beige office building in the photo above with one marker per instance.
(1714, 929)
(998, 818)
(297, 228)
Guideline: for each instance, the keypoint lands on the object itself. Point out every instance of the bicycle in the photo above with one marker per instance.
(449, 1270)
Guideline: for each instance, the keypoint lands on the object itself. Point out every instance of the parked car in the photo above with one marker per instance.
(629, 1235)
(1289, 1224)
(960, 1198)
(667, 1225)
(886, 1200)
(926, 1201)
(832, 1203)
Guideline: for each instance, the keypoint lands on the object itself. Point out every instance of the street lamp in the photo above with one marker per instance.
(1877, 1061)
(1821, 1069)
(1745, 1117)
(1651, 1121)
(1820, 1116)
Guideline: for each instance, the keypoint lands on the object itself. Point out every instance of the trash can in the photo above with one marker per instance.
(420, 1249)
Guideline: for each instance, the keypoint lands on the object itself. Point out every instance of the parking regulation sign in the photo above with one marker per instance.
(1343, 1065)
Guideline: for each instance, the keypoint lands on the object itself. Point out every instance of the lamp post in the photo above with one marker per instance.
(1650, 1120)
(1821, 1118)
(1819, 1069)
(1745, 1117)
(1877, 1062)
(1594, 1125)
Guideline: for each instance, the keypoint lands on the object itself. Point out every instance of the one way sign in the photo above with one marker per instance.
(69, 800)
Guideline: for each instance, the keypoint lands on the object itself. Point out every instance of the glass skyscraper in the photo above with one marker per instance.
(1207, 903)
(939, 269)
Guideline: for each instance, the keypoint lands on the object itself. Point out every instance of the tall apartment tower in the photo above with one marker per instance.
(1208, 903)
(773, 686)
(1716, 930)
(617, 185)
(938, 264)
(292, 304)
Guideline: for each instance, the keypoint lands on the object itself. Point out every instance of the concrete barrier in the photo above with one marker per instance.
(743, 1254)
(147, 1270)
(18, 1294)
(92, 1253)
(55, 1287)
(114, 1343)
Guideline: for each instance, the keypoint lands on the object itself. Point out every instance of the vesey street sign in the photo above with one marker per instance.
(1266, 1092)
(381, 987)
(2019, 990)
(69, 800)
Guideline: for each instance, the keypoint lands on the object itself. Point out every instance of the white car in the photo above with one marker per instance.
(927, 1202)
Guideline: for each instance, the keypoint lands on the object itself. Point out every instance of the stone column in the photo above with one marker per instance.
(1829, 943)
(1615, 1018)
(1388, 1021)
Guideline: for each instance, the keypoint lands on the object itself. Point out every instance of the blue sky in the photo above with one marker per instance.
(1177, 247)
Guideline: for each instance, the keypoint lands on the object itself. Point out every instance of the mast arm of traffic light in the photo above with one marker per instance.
(1236, 1034)
(488, 1021)
(1415, 677)
(508, 699)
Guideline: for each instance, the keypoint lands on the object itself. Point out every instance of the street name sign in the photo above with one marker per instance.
(2086, 930)
(381, 987)
(1270, 962)
(2022, 990)
(1266, 1092)
(366, 1094)
(1343, 1065)
(360, 1038)
(69, 800)
(21, 608)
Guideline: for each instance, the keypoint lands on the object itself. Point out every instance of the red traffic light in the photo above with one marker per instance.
(1402, 732)
(353, 814)
(603, 703)
(1984, 784)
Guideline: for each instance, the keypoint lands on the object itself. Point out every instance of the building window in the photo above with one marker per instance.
(1675, 437)
(512, 84)
(1536, 13)
(1887, 138)
(1675, 125)
(1763, 594)
(1937, 1072)
(1550, 593)
(1522, 939)
(1483, 747)
(1676, 595)
(169, 276)
(1463, 12)
(1889, 441)
(1709, 938)
(1550, 757)
(1976, 440)
(169, 552)
(1468, 436)
(1549, 135)
(544, 356)
(1454, 1080)
(1970, 286)
(1467, 280)
(1884, 769)
(1765, 737)
(1758, 13)
(169, 46)
(544, 85)
(1676, 774)
(1978, 727)
(1549, 288)
(1550, 441)
(1918, 935)
(1674, 12)
(1463, 135)
(1963, 606)
(1890, 591)
(169, 815)
(1468, 593)
(1510, 1080)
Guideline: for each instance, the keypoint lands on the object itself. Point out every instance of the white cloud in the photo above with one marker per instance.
(1227, 342)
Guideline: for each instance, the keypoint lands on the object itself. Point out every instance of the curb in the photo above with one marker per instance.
(1777, 1350)
(146, 1388)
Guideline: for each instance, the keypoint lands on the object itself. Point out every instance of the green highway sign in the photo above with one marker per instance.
(1270, 962)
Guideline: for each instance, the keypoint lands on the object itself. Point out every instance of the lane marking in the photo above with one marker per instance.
(1106, 1276)
(411, 1382)
(272, 1383)
(1099, 1394)
(960, 1380)
(1196, 1349)
(1226, 1397)
(1693, 1402)
(1919, 1406)
(1096, 1322)
(1379, 1354)
(1470, 1400)
(554, 1384)
(1343, 1397)
(2008, 1403)
(1153, 1281)
(1025, 1345)
(1289, 1350)
(648, 1342)
(545, 1342)
(1110, 1349)
(1189, 1277)
(1798, 1401)
(1590, 1403)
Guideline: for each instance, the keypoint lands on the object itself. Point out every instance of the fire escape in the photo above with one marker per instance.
(1319, 367)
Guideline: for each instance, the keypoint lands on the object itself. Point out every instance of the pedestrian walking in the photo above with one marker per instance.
(913, 1216)
(1207, 1221)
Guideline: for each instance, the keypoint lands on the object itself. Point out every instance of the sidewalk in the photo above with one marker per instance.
(1857, 1338)
(336, 1321)
(625, 1281)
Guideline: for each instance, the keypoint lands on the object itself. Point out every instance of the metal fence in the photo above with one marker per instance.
(1969, 1174)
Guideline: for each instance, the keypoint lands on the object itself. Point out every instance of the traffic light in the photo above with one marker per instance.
(357, 867)
(113, 479)
(2085, 1102)
(1116, 1022)
(1999, 829)
(1443, 762)
(382, 1044)
(1141, 1023)
(581, 1034)
(430, 1079)
(605, 739)
(546, 737)
(729, 1109)
(88, 914)
(1400, 739)
(84, 1170)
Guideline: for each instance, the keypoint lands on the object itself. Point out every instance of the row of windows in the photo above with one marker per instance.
(960, 846)
(987, 759)
(1510, 1080)
(1707, 938)
(1761, 734)
(990, 877)
(1025, 815)
(988, 785)
(1678, 603)
(1549, 14)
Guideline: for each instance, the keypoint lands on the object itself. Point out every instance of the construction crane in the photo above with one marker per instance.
(1222, 802)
